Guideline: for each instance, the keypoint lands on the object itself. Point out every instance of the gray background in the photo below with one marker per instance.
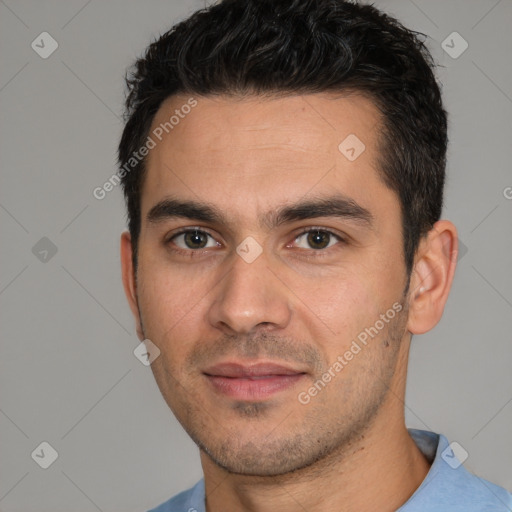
(68, 375)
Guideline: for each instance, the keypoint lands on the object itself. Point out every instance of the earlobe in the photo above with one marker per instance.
(129, 283)
(432, 277)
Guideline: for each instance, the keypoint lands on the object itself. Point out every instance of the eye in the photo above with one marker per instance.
(317, 239)
(194, 239)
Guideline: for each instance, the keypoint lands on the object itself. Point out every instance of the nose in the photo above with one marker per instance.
(250, 296)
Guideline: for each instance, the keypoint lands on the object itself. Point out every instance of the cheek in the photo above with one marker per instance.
(344, 295)
(169, 302)
(343, 307)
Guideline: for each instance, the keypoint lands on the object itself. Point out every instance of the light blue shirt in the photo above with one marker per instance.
(448, 486)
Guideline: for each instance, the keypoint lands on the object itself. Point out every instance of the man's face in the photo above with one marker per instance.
(253, 307)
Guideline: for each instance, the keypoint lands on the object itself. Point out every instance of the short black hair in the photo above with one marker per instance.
(241, 47)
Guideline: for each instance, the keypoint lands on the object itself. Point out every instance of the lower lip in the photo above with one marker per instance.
(253, 389)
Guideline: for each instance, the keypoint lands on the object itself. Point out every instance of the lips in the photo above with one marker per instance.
(252, 382)
(236, 370)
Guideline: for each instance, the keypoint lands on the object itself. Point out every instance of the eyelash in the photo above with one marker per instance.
(197, 252)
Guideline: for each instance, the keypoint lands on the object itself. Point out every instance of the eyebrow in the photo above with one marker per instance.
(331, 206)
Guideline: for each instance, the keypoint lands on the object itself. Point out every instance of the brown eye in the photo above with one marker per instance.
(317, 239)
(193, 239)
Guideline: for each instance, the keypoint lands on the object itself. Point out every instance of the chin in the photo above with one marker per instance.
(267, 459)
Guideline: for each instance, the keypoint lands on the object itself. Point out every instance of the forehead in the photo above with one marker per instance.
(241, 152)
(306, 123)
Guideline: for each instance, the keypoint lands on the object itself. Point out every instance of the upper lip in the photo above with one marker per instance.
(235, 370)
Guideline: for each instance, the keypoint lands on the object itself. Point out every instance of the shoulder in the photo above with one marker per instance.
(449, 486)
(191, 500)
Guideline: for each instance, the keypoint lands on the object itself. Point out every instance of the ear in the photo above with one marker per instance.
(432, 276)
(129, 283)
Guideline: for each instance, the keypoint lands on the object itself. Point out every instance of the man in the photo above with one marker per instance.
(283, 166)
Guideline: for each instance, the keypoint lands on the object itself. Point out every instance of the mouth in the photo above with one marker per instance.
(253, 382)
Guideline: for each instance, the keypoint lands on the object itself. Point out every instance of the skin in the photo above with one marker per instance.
(295, 304)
